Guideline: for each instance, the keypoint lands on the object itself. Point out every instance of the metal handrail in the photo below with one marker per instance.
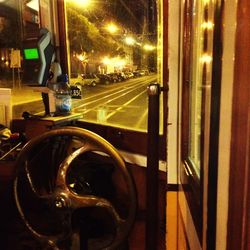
(154, 91)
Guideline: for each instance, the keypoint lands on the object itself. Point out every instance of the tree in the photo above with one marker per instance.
(85, 36)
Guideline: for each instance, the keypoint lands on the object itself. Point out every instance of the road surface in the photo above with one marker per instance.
(122, 104)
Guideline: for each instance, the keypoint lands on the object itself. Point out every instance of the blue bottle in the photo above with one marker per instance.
(63, 96)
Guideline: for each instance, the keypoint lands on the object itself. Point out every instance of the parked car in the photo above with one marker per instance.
(141, 72)
(122, 76)
(114, 77)
(136, 73)
(90, 79)
(129, 75)
(144, 72)
(104, 78)
(75, 79)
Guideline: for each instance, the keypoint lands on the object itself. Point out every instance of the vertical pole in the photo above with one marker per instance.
(13, 77)
(152, 167)
(19, 78)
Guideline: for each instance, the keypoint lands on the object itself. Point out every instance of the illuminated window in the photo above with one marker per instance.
(198, 53)
(117, 41)
(200, 77)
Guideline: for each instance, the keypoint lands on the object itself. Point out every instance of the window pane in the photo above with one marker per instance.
(20, 23)
(112, 50)
(201, 58)
(19, 26)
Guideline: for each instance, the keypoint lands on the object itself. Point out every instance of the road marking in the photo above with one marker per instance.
(125, 104)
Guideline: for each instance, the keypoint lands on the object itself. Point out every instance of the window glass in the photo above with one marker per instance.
(112, 51)
(20, 23)
(201, 58)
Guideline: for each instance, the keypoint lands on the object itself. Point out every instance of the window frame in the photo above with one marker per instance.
(130, 138)
(200, 193)
(191, 183)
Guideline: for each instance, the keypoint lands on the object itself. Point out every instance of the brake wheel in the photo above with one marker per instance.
(46, 199)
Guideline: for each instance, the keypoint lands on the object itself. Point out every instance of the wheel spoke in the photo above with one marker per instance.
(62, 172)
(44, 165)
(93, 201)
(63, 217)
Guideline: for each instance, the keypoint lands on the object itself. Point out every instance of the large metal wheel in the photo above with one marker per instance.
(43, 192)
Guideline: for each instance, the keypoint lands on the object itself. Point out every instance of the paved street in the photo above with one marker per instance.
(122, 104)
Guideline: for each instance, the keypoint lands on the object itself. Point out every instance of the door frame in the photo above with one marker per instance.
(239, 181)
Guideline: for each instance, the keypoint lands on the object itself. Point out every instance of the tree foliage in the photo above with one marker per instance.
(85, 36)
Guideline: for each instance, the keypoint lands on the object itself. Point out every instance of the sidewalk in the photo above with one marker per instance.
(24, 95)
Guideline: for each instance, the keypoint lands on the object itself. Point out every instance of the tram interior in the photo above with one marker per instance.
(121, 124)
(64, 185)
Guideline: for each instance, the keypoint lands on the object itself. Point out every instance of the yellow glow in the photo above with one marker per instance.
(106, 60)
(111, 28)
(206, 58)
(114, 62)
(207, 25)
(205, 2)
(119, 62)
(81, 3)
(82, 57)
(130, 40)
(148, 47)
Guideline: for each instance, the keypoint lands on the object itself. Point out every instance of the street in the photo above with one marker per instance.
(122, 104)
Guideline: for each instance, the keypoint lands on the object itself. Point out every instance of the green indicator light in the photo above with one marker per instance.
(31, 54)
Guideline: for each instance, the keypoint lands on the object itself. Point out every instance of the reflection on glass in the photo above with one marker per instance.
(19, 28)
(116, 42)
(200, 80)
(114, 52)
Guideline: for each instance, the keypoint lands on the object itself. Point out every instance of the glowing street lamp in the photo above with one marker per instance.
(206, 58)
(115, 62)
(106, 60)
(84, 60)
(148, 47)
(207, 25)
(129, 40)
(112, 28)
(84, 3)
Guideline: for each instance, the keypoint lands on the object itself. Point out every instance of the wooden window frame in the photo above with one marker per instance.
(120, 137)
(193, 185)
(190, 181)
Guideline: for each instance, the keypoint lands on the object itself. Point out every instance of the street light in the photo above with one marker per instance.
(130, 40)
(84, 60)
(84, 3)
(114, 62)
(112, 28)
(106, 60)
(148, 47)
